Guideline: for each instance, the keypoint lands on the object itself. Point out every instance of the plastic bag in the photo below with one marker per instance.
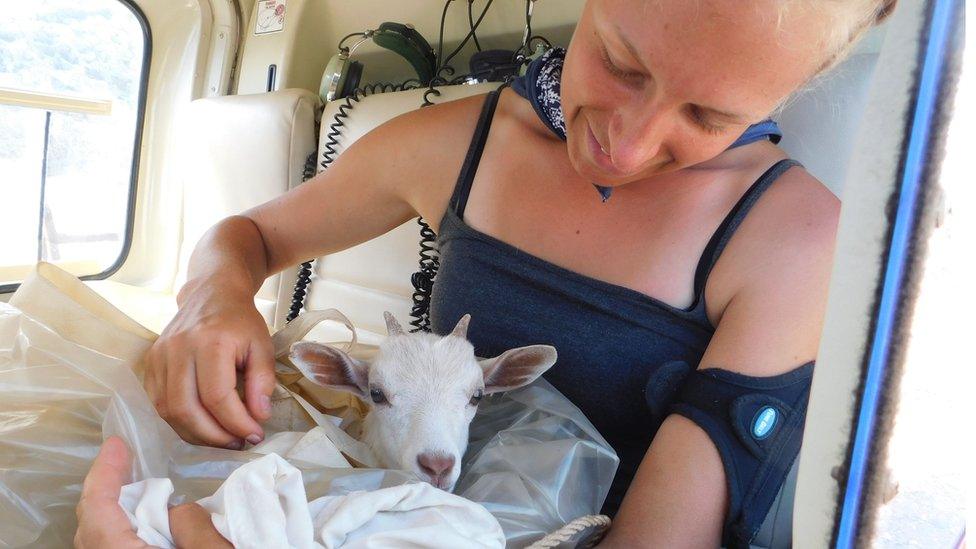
(69, 365)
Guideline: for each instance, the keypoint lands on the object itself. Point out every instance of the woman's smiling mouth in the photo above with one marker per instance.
(601, 157)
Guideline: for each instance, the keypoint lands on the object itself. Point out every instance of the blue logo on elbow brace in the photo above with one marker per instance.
(763, 423)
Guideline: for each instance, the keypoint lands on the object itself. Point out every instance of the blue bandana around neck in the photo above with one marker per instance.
(540, 86)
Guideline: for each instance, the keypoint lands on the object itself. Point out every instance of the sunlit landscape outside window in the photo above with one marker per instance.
(66, 171)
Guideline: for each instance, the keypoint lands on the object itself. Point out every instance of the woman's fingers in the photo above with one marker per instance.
(191, 376)
(191, 526)
(216, 377)
(101, 522)
(108, 473)
(259, 379)
(187, 415)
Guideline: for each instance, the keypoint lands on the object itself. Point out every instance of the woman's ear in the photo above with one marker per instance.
(516, 367)
(330, 367)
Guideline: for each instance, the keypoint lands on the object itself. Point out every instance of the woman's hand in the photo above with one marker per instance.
(102, 523)
(191, 368)
(191, 373)
(191, 527)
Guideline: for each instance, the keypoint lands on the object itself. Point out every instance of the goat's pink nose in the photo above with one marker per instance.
(435, 465)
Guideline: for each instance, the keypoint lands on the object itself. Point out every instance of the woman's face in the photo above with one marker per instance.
(652, 86)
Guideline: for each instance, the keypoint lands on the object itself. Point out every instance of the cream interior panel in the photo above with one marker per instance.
(299, 51)
(858, 265)
(173, 73)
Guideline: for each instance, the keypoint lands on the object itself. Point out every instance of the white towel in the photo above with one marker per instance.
(409, 515)
(263, 504)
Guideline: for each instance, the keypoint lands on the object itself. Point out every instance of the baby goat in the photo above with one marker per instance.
(422, 391)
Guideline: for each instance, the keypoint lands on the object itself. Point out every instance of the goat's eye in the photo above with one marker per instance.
(377, 396)
(477, 396)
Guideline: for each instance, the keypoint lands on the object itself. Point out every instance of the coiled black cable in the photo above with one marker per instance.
(305, 270)
(423, 279)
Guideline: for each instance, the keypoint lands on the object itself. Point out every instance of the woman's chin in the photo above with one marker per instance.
(592, 172)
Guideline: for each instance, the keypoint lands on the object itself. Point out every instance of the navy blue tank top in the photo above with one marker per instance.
(610, 339)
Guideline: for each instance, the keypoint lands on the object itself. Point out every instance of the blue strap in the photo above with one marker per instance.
(756, 423)
(767, 129)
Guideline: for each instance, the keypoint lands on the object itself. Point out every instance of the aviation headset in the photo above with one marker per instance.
(343, 75)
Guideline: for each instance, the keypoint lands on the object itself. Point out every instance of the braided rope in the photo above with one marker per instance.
(573, 528)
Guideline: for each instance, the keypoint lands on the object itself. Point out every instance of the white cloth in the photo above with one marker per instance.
(313, 447)
(408, 515)
(263, 504)
(146, 505)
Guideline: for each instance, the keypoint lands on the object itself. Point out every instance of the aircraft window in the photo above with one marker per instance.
(72, 80)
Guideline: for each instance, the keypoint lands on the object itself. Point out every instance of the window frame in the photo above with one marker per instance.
(136, 150)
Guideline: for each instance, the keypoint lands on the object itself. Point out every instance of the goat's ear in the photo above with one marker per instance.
(393, 327)
(330, 367)
(516, 367)
(461, 329)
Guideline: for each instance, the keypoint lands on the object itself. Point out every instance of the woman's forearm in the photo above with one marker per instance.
(230, 256)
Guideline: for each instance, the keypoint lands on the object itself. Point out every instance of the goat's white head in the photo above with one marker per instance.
(422, 391)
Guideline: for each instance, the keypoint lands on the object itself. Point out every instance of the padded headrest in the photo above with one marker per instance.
(372, 110)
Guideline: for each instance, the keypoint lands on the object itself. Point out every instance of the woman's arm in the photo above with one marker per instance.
(403, 168)
(772, 283)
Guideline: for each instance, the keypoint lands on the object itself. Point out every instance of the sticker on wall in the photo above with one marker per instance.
(271, 16)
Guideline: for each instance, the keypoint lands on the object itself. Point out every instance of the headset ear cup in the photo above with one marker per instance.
(335, 71)
(353, 75)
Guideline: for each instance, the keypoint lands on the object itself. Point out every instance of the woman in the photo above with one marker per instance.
(661, 302)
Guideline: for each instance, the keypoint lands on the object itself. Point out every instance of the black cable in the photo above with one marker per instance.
(442, 62)
(348, 36)
(305, 270)
(423, 279)
(440, 38)
(469, 35)
(471, 25)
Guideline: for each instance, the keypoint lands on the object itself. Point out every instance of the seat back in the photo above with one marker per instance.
(241, 151)
(372, 277)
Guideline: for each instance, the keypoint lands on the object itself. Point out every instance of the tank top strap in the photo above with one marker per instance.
(462, 188)
(727, 228)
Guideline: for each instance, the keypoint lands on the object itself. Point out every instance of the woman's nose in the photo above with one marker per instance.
(636, 136)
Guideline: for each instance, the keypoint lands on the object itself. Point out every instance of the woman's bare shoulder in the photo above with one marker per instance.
(421, 151)
(788, 237)
(797, 209)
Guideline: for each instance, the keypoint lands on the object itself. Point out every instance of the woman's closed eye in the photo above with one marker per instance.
(701, 120)
(630, 77)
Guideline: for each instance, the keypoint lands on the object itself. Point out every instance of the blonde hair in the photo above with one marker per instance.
(849, 21)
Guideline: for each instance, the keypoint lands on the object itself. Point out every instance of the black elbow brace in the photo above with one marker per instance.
(757, 425)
